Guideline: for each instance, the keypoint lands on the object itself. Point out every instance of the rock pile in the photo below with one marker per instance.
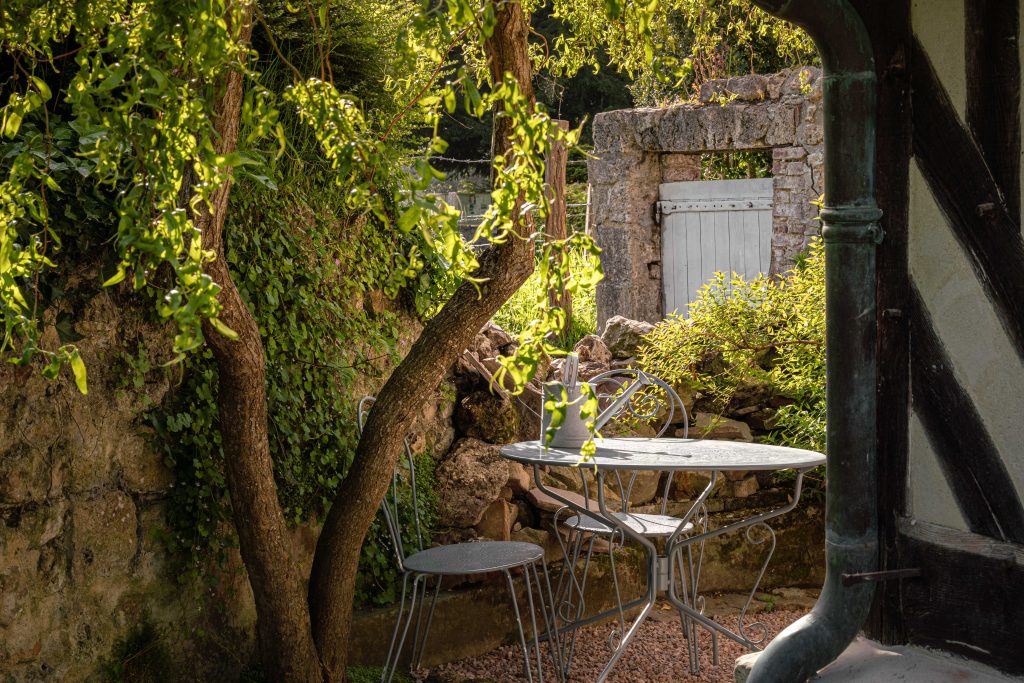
(483, 496)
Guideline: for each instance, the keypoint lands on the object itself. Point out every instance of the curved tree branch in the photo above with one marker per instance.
(504, 267)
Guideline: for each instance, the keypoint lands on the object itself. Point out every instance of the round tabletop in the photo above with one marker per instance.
(669, 454)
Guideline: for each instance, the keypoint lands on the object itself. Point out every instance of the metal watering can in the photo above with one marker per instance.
(573, 432)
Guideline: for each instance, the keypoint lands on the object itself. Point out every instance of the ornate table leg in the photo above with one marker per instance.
(769, 535)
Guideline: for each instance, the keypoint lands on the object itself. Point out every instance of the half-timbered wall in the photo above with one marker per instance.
(962, 521)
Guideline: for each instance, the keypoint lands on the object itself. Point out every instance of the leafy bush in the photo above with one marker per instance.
(521, 309)
(742, 334)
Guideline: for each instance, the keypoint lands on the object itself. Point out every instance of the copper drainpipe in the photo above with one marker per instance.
(851, 233)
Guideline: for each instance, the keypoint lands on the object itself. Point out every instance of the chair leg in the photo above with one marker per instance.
(696, 580)
(529, 581)
(418, 659)
(519, 625)
(616, 637)
(395, 648)
(689, 627)
(567, 581)
(550, 620)
(570, 647)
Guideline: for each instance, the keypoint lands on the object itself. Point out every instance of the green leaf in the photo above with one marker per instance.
(78, 368)
(52, 368)
(224, 329)
(44, 89)
(115, 278)
(116, 76)
(12, 122)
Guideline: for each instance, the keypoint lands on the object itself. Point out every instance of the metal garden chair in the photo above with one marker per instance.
(651, 400)
(476, 557)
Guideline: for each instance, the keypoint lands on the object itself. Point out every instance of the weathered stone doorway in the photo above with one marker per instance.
(639, 149)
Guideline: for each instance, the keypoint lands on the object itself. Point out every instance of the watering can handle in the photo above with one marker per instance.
(570, 369)
(616, 406)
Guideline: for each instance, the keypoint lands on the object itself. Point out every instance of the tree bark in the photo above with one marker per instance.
(282, 616)
(505, 267)
(557, 227)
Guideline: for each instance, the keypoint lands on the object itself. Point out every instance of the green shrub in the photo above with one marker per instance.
(371, 674)
(521, 309)
(764, 332)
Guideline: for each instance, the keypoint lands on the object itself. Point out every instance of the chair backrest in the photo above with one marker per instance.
(653, 407)
(393, 504)
(654, 403)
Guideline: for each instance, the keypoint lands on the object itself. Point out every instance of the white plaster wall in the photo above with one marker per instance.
(940, 26)
(985, 362)
(929, 496)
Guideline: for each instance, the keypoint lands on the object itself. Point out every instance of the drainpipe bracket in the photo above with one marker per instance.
(888, 575)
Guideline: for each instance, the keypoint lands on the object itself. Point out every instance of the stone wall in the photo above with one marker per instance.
(83, 517)
(82, 504)
(636, 150)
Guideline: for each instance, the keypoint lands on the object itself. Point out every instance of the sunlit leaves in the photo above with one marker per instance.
(537, 339)
(144, 115)
(141, 88)
(741, 334)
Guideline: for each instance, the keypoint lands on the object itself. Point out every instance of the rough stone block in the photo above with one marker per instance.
(105, 540)
(487, 416)
(24, 474)
(645, 487)
(592, 348)
(545, 539)
(142, 469)
(746, 487)
(708, 426)
(623, 336)
(520, 479)
(496, 522)
(788, 153)
(472, 478)
(679, 167)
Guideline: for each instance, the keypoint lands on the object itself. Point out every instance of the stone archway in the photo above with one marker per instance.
(638, 149)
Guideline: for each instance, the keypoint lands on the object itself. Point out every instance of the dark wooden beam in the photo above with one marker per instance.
(890, 28)
(968, 599)
(993, 91)
(969, 196)
(974, 470)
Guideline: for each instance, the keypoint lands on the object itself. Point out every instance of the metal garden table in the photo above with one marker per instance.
(672, 455)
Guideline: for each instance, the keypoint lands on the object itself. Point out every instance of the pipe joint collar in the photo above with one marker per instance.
(851, 224)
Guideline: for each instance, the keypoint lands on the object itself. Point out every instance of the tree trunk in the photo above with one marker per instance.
(557, 227)
(505, 267)
(283, 626)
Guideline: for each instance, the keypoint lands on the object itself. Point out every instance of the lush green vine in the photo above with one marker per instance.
(313, 281)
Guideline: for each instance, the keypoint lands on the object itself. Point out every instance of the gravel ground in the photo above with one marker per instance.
(656, 655)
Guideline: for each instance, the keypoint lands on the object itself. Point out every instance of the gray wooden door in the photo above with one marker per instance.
(712, 226)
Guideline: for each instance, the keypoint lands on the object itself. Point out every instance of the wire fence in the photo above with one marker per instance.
(472, 162)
